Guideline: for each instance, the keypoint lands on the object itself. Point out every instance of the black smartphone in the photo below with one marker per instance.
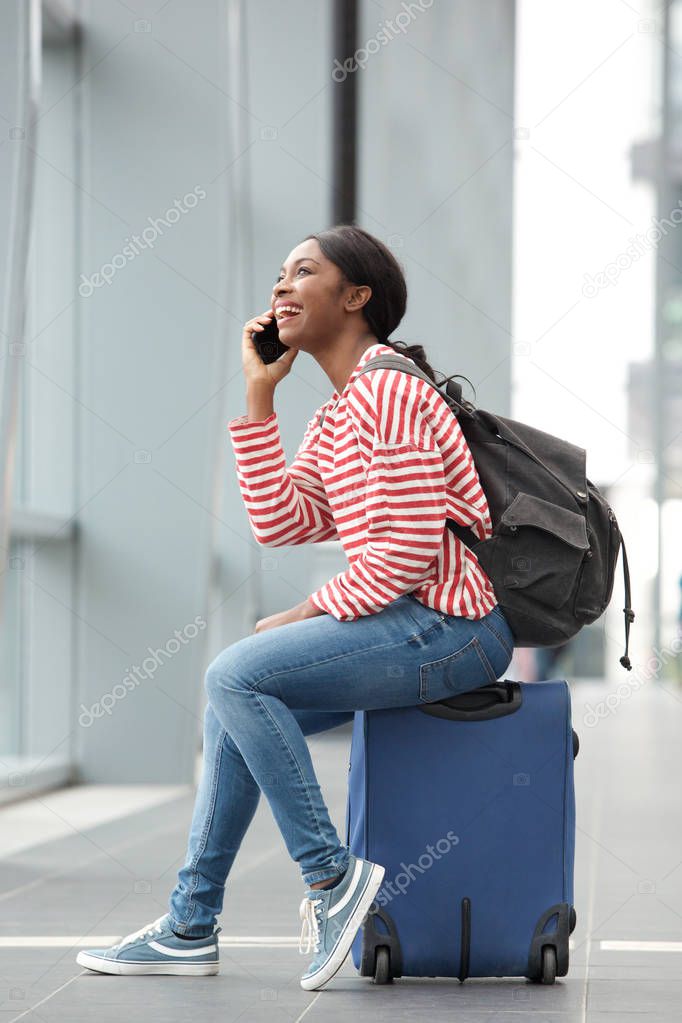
(267, 342)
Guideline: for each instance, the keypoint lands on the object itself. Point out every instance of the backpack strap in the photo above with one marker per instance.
(453, 391)
(391, 362)
(627, 610)
(406, 365)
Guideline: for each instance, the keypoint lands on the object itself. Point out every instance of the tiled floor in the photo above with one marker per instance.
(114, 876)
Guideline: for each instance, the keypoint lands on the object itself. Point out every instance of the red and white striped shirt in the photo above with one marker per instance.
(388, 466)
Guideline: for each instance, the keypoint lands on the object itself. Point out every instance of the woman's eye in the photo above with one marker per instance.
(298, 271)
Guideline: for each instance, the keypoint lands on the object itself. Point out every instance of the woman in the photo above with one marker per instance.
(412, 619)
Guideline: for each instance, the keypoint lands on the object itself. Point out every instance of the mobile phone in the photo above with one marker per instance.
(267, 342)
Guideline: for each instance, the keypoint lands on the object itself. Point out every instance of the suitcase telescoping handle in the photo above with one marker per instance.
(482, 704)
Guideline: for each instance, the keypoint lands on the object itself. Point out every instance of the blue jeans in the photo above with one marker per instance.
(267, 691)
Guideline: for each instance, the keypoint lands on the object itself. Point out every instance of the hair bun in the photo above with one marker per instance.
(415, 352)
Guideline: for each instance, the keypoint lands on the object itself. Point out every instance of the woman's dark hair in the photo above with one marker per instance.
(363, 259)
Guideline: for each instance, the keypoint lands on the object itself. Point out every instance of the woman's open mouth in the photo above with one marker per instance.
(286, 312)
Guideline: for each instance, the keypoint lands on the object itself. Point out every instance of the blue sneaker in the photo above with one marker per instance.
(332, 917)
(155, 949)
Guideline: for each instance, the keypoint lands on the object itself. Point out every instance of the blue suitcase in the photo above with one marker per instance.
(469, 804)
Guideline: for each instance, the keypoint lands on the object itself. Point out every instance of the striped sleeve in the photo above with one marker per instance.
(285, 505)
(468, 505)
(405, 501)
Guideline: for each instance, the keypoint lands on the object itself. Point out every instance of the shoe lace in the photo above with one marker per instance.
(153, 928)
(310, 931)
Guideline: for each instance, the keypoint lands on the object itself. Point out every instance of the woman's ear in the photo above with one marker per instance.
(358, 297)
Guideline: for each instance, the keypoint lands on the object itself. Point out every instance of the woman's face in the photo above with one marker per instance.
(309, 298)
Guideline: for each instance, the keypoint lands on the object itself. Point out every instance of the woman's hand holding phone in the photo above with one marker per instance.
(261, 374)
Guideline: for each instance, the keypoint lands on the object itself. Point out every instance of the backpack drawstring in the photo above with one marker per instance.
(627, 610)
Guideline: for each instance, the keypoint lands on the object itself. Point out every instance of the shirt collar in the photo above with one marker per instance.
(379, 348)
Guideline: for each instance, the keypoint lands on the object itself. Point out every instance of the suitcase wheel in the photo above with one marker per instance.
(382, 966)
(548, 964)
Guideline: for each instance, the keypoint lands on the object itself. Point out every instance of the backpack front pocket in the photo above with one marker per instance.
(540, 548)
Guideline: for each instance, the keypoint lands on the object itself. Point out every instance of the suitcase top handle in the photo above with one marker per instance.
(493, 701)
(482, 704)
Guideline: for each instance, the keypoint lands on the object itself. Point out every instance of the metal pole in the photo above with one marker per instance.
(20, 196)
(344, 113)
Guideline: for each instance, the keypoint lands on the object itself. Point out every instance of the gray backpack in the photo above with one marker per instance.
(554, 549)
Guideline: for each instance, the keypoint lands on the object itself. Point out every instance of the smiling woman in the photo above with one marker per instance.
(382, 473)
(390, 463)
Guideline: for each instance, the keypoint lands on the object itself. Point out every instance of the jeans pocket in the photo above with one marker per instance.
(466, 669)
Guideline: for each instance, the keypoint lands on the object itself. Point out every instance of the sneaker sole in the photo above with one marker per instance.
(119, 968)
(338, 956)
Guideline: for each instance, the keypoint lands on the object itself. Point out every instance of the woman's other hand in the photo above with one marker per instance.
(304, 610)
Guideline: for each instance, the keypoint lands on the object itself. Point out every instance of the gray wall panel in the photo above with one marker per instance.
(436, 164)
